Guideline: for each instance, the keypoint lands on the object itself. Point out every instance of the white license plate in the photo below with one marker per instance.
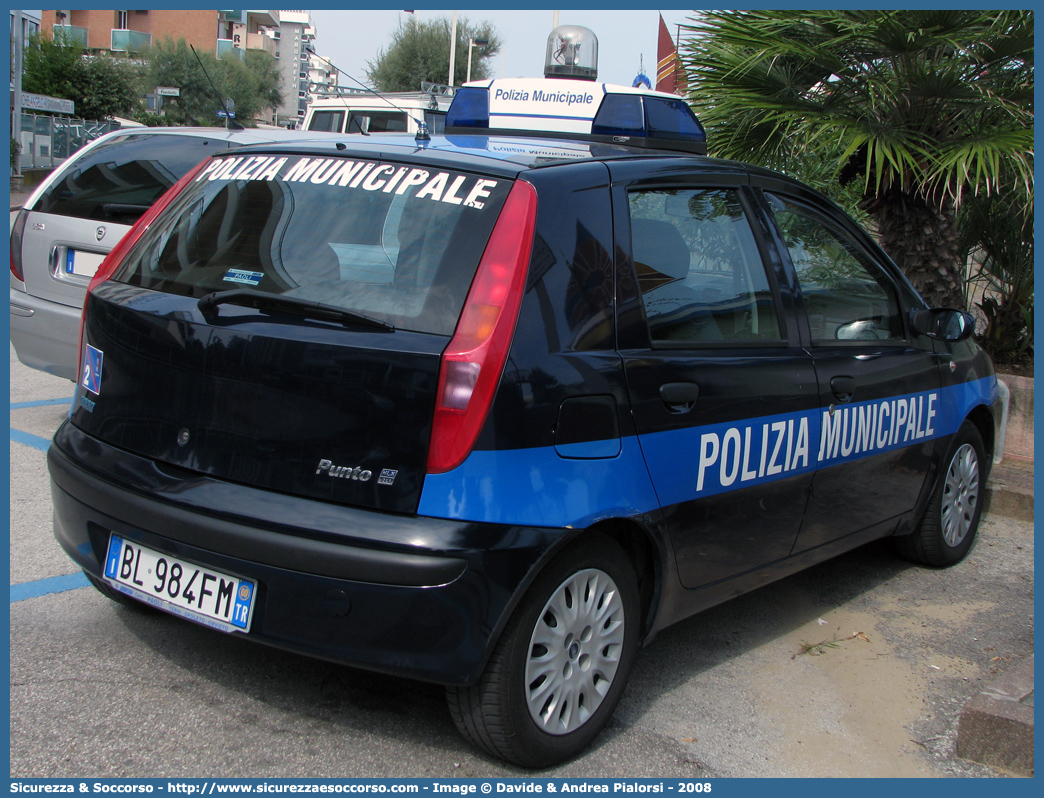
(200, 594)
(82, 263)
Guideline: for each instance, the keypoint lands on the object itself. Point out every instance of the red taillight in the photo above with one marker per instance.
(474, 360)
(116, 255)
(16, 244)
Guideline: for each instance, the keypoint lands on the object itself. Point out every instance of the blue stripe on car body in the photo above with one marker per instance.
(539, 487)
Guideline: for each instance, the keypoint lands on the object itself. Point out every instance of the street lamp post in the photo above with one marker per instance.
(471, 44)
(17, 40)
(453, 49)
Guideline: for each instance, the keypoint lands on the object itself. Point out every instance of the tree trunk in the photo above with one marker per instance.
(922, 239)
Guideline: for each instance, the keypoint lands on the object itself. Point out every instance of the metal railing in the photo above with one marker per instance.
(225, 46)
(323, 90)
(73, 34)
(123, 40)
(48, 140)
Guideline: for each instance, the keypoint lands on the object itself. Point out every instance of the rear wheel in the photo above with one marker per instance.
(950, 522)
(562, 662)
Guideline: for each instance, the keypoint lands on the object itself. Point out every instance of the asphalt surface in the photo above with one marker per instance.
(857, 667)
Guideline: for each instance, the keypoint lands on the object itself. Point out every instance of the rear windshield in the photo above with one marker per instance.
(392, 241)
(118, 181)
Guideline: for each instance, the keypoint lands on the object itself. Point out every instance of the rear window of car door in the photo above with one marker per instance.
(700, 274)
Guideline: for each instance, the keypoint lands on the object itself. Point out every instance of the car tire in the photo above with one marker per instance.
(112, 594)
(559, 668)
(947, 530)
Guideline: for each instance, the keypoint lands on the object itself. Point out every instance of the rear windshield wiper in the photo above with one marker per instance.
(262, 300)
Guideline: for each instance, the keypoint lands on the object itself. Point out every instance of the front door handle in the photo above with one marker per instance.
(843, 388)
(679, 397)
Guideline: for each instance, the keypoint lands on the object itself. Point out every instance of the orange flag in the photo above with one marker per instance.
(670, 77)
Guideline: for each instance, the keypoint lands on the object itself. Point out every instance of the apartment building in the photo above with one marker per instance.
(286, 35)
(211, 31)
(293, 37)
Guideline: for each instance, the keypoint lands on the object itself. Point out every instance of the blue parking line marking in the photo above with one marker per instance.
(40, 403)
(54, 584)
(26, 438)
(43, 587)
(17, 436)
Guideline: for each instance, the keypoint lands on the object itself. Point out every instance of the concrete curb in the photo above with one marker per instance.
(1018, 432)
(996, 726)
(1009, 503)
(1009, 490)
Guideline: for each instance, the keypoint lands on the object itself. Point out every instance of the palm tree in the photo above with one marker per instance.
(997, 236)
(913, 110)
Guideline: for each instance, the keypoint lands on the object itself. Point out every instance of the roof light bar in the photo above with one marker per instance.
(580, 110)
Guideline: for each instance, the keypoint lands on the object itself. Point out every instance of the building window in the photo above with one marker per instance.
(121, 20)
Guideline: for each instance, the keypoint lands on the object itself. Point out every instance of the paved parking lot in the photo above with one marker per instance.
(857, 667)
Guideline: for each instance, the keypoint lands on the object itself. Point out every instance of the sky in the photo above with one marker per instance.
(352, 38)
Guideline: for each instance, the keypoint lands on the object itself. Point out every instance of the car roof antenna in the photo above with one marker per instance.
(230, 123)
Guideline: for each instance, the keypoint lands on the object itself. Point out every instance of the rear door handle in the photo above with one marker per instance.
(679, 397)
(843, 388)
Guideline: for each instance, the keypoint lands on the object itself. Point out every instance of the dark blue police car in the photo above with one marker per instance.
(492, 409)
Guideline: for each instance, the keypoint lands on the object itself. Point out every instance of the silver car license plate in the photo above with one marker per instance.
(84, 264)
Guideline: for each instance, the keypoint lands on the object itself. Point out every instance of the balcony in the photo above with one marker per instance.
(225, 46)
(72, 34)
(129, 41)
(259, 41)
(267, 18)
(251, 18)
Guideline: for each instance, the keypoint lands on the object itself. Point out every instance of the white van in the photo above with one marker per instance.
(347, 110)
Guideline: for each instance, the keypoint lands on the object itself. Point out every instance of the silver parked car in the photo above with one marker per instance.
(76, 216)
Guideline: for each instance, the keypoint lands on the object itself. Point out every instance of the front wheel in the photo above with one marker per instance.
(950, 522)
(561, 664)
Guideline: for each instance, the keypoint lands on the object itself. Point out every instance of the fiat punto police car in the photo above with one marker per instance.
(491, 409)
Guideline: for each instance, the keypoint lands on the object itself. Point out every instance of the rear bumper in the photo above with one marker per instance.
(414, 596)
(45, 334)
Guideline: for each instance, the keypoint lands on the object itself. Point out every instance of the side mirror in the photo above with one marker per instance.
(945, 324)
